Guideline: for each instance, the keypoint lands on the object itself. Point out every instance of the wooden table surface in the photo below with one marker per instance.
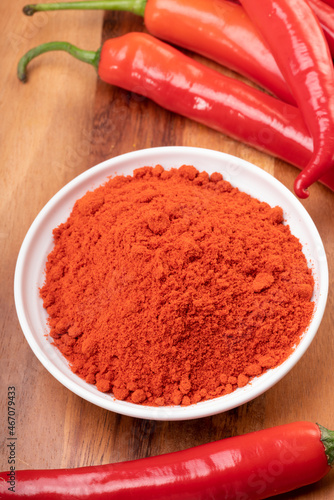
(59, 124)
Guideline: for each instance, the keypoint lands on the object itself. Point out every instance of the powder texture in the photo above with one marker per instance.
(173, 287)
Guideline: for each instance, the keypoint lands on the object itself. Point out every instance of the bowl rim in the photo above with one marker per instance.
(201, 409)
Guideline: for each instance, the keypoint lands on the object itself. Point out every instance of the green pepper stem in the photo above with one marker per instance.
(134, 6)
(327, 439)
(90, 57)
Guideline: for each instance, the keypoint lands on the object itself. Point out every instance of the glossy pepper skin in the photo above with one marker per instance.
(301, 52)
(254, 466)
(139, 63)
(325, 14)
(217, 29)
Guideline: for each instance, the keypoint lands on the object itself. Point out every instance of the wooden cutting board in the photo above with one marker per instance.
(63, 121)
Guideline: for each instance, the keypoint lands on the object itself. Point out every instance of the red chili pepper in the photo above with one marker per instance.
(329, 2)
(144, 65)
(301, 52)
(254, 466)
(325, 14)
(219, 30)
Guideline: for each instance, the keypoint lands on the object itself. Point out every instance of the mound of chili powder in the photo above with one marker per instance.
(172, 287)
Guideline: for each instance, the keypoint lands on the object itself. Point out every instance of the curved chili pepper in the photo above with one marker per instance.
(325, 14)
(254, 466)
(300, 49)
(218, 29)
(142, 64)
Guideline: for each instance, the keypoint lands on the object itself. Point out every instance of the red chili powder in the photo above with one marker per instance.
(173, 287)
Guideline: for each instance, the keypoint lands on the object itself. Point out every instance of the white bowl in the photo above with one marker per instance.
(38, 243)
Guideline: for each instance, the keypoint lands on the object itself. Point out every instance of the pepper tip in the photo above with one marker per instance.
(300, 189)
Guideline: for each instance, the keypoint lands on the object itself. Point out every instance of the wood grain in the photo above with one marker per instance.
(63, 121)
